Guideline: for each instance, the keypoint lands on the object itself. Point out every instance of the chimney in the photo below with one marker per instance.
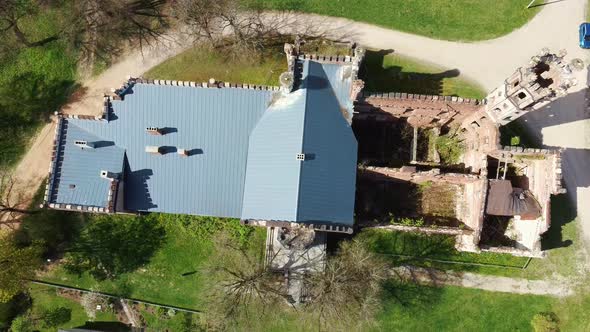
(154, 131)
(84, 144)
(153, 149)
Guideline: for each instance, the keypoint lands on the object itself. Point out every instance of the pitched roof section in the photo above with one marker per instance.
(307, 121)
(79, 182)
(212, 123)
(327, 186)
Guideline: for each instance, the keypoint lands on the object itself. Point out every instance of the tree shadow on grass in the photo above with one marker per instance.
(55, 229)
(416, 249)
(112, 245)
(409, 295)
(26, 101)
(395, 79)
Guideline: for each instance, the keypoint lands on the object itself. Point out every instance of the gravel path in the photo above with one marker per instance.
(432, 277)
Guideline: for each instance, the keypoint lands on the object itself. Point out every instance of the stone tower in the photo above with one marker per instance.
(546, 77)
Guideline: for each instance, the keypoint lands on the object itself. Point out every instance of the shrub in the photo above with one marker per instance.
(22, 324)
(450, 148)
(545, 322)
(54, 317)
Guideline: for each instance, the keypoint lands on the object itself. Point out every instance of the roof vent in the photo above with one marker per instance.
(84, 144)
(301, 156)
(153, 149)
(154, 130)
(183, 152)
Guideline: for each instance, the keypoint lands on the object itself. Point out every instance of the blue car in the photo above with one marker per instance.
(585, 35)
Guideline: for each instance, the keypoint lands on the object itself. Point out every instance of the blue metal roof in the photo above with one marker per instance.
(327, 181)
(243, 161)
(309, 121)
(80, 182)
(213, 122)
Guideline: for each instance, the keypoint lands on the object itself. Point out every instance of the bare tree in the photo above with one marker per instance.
(227, 23)
(12, 200)
(347, 290)
(12, 12)
(99, 27)
(242, 283)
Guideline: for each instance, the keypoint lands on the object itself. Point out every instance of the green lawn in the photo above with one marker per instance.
(34, 83)
(200, 64)
(458, 309)
(464, 20)
(173, 274)
(390, 72)
(46, 297)
(428, 250)
(562, 242)
(381, 71)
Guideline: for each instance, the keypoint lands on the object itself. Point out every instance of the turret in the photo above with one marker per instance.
(546, 77)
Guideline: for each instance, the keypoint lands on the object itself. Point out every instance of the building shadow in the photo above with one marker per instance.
(137, 194)
(397, 79)
(571, 109)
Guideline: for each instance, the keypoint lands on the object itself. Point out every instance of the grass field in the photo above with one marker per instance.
(200, 64)
(382, 72)
(463, 20)
(459, 309)
(562, 243)
(173, 274)
(34, 82)
(390, 72)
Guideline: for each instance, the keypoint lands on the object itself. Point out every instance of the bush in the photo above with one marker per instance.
(450, 148)
(56, 316)
(545, 322)
(22, 324)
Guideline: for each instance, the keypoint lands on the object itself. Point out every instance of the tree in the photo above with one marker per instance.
(242, 283)
(17, 265)
(228, 23)
(111, 245)
(545, 322)
(347, 290)
(100, 26)
(95, 26)
(54, 317)
(22, 323)
(11, 200)
(12, 12)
